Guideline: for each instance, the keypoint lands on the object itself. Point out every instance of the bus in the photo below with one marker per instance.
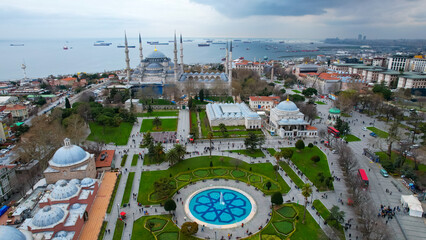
(335, 132)
(363, 176)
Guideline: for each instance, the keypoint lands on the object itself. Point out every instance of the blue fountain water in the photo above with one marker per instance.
(220, 206)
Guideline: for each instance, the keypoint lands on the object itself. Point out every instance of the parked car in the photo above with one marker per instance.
(3, 151)
(415, 146)
(364, 128)
(384, 173)
(335, 151)
(373, 134)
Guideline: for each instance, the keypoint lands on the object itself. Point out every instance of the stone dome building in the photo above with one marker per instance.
(8, 233)
(68, 162)
(287, 121)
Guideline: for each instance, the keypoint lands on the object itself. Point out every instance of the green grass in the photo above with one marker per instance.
(114, 192)
(380, 133)
(296, 91)
(351, 138)
(257, 153)
(102, 232)
(118, 232)
(320, 103)
(204, 122)
(123, 161)
(128, 188)
(302, 159)
(230, 128)
(117, 135)
(135, 160)
(167, 125)
(237, 133)
(198, 102)
(156, 102)
(287, 212)
(293, 176)
(325, 213)
(220, 98)
(345, 115)
(271, 151)
(171, 113)
(309, 230)
(238, 173)
(220, 170)
(384, 158)
(284, 227)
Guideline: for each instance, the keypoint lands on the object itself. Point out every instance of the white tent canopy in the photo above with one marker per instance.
(413, 204)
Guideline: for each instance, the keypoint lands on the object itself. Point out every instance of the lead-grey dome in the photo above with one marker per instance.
(287, 106)
(7, 233)
(68, 155)
(64, 190)
(156, 54)
(86, 182)
(47, 216)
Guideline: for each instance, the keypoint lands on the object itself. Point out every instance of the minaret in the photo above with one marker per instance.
(140, 47)
(272, 72)
(181, 54)
(126, 51)
(175, 59)
(226, 58)
(230, 68)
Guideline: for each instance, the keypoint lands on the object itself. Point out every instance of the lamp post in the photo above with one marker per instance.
(215, 235)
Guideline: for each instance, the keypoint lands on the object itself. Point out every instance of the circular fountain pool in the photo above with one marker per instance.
(220, 207)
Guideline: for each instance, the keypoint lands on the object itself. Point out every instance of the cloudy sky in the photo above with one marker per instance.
(303, 19)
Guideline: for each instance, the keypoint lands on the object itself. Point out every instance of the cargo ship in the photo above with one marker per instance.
(17, 45)
(204, 45)
(101, 43)
(122, 46)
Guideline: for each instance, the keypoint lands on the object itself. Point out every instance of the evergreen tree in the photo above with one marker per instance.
(67, 103)
(201, 95)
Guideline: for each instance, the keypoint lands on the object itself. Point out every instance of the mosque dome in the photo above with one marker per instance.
(86, 182)
(287, 106)
(64, 191)
(47, 216)
(8, 232)
(74, 181)
(154, 66)
(68, 155)
(156, 54)
(76, 206)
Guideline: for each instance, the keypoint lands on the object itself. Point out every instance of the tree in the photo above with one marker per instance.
(315, 159)
(189, 228)
(306, 192)
(201, 95)
(300, 145)
(253, 140)
(416, 120)
(308, 92)
(163, 187)
(67, 103)
(336, 214)
(278, 155)
(342, 126)
(394, 135)
(156, 122)
(385, 91)
(268, 185)
(297, 98)
(287, 153)
(190, 103)
(75, 128)
(170, 205)
(309, 110)
(210, 137)
(223, 129)
(147, 139)
(310, 146)
(172, 156)
(346, 157)
(157, 153)
(150, 110)
(277, 198)
(276, 168)
(181, 151)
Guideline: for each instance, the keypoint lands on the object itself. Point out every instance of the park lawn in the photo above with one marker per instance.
(148, 178)
(383, 158)
(230, 128)
(296, 91)
(167, 125)
(118, 232)
(220, 99)
(345, 115)
(156, 102)
(320, 103)
(198, 102)
(123, 161)
(380, 133)
(325, 213)
(293, 176)
(170, 113)
(117, 135)
(204, 122)
(231, 134)
(128, 188)
(114, 192)
(135, 160)
(271, 151)
(351, 138)
(257, 153)
(302, 159)
(194, 125)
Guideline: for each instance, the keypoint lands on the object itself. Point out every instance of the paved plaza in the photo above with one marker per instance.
(402, 227)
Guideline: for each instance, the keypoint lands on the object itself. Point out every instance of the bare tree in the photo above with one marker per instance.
(346, 157)
(75, 128)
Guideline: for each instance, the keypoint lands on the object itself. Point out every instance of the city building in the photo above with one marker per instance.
(68, 81)
(287, 121)
(5, 100)
(305, 68)
(418, 65)
(7, 179)
(19, 112)
(263, 103)
(105, 160)
(232, 114)
(63, 209)
(257, 66)
(69, 162)
(398, 63)
(412, 80)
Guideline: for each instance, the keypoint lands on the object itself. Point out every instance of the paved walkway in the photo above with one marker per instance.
(99, 207)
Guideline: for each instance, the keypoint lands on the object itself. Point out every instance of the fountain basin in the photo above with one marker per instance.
(220, 207)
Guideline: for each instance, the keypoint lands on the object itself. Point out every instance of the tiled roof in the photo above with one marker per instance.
(264, 98)
(108, 158)
(311, 128)
(69, 79)
(14, 107)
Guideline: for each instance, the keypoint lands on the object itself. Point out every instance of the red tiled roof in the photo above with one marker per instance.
(311, 128)
(14, 107)
(264, 98)
(69, 79)
(108, 158)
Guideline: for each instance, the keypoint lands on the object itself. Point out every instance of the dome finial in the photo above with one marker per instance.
(67, 142)
(288, 98)
(155, 48)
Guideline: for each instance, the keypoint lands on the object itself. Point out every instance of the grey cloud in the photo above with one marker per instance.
(245, 8)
